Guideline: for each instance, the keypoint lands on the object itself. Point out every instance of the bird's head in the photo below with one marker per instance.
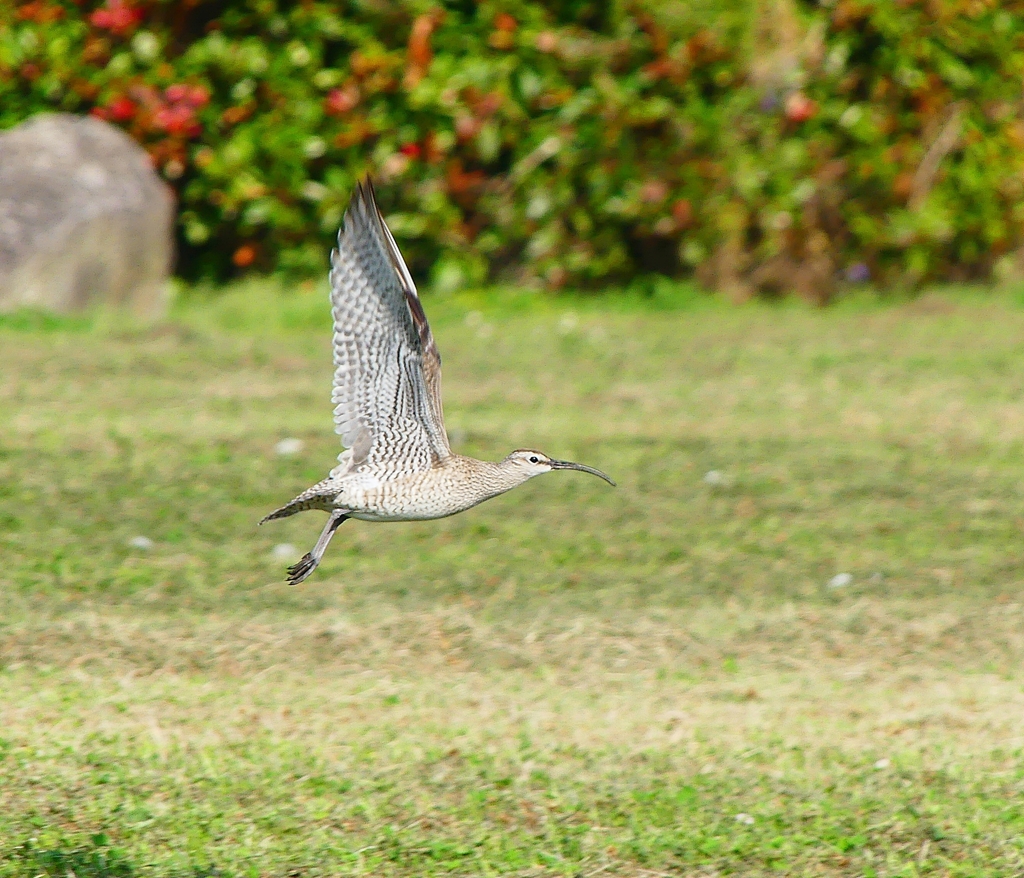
(533, 463)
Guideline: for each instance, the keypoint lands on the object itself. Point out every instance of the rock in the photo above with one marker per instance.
(84, 218)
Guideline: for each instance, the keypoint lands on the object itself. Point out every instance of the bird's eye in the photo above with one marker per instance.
(534, 459)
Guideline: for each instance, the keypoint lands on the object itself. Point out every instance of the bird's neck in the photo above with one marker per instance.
(487, 479)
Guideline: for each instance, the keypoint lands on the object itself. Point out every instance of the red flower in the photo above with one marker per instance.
(121, 109)
(340, 100)
(198, 96)
(177, 119)
(800, 108)
(118, 16)
(244, 256)
(410, 150)
(194, 96)
(176, 92)
(504, 21)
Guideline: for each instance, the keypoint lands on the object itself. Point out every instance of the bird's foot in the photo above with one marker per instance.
(301, 570)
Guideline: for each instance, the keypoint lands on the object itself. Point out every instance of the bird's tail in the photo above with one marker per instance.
(311, 498)
(285, 511)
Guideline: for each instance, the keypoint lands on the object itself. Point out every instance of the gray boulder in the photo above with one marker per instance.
(84, 218)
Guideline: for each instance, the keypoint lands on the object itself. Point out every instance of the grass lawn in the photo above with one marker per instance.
(674, 677)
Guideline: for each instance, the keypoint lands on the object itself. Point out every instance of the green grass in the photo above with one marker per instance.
(568, 680)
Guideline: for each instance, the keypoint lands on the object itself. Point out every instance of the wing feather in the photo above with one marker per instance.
(431, 355)
(387, 372)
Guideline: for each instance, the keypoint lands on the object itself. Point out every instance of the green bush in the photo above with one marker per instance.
(767, 145)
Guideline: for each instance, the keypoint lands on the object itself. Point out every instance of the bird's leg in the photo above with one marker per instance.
(309, 562)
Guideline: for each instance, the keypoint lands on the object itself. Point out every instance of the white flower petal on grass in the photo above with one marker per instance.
(284, 551)
(713, 477)
(840, 580)
(289, 446)
(140, 542)
(745, 818)
(882, 764)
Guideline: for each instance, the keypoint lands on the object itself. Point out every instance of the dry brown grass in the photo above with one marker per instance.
(918, 674)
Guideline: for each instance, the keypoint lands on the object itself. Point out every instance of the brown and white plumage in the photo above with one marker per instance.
(397, 464)
(387, 372)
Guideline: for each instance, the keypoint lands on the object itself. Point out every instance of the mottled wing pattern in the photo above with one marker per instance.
(431, 355)
(387, 374)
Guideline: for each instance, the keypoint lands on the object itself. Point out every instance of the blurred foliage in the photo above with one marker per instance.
(767, 145)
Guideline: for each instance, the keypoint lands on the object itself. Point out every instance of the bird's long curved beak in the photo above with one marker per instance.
(568, 464)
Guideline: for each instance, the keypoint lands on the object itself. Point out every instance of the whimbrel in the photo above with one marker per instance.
(397, 464)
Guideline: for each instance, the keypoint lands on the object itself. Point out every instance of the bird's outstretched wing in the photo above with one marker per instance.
(387, 371)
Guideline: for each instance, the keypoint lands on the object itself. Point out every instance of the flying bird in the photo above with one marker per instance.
(397, 464)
